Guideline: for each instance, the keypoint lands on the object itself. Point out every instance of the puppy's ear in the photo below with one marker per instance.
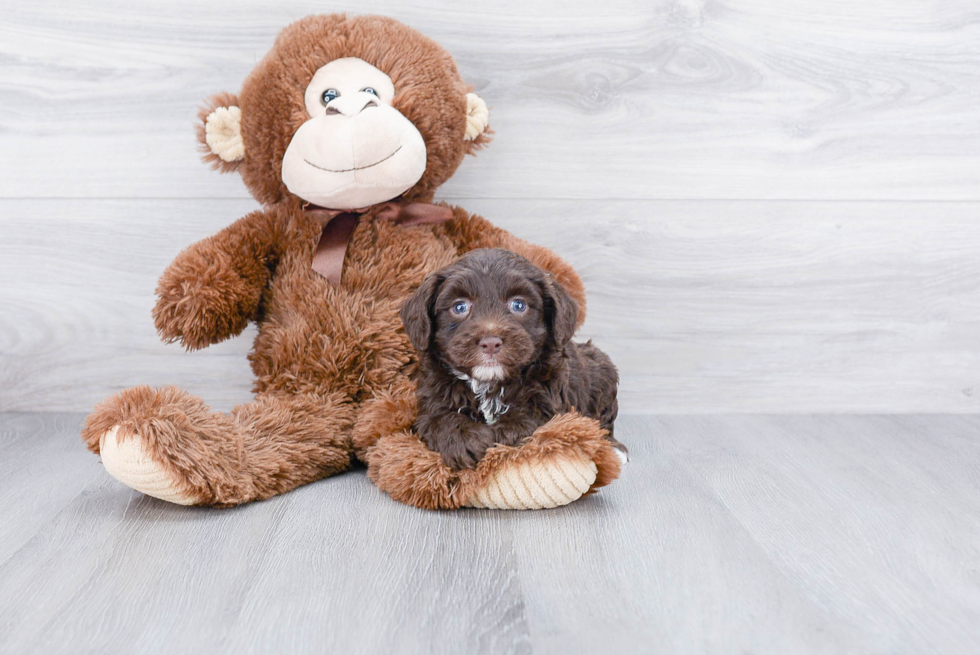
(417, 312)
(560, 311)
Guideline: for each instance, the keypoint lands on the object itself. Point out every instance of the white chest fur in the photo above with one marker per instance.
(491, 406)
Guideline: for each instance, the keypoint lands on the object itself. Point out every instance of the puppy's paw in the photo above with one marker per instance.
(460, 459)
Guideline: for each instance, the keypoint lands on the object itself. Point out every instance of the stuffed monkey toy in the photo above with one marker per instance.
(343, 132)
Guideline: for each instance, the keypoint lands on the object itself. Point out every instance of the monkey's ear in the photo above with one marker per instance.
(477, 123)
(417, 312)
(220, 132)
(560, 311)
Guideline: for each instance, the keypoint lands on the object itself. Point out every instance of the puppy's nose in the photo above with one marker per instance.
(491, 345)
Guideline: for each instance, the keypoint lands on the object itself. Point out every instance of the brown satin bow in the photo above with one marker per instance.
(328, 260)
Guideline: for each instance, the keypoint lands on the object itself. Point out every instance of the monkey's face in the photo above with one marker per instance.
(346, 112)
(356, 149)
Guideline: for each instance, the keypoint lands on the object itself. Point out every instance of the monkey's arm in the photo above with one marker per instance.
(213, 288)
(469, 232)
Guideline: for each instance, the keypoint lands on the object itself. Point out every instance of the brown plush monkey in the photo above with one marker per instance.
(343, 132)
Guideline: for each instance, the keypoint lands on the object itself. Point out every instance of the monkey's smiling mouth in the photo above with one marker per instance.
(356, 168)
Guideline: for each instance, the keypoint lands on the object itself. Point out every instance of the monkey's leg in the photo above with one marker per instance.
(568, 457)
(168, 444)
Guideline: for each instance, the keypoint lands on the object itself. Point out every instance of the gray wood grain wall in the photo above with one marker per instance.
(775, 206)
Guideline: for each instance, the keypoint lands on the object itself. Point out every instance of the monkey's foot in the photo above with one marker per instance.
(565, 459)
(167, 444)
(130, 462)
(535, 485)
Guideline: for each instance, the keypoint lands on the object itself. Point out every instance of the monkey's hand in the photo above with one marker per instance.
(213, 288)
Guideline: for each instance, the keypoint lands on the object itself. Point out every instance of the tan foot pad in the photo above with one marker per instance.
(131, 464)
(538, 486)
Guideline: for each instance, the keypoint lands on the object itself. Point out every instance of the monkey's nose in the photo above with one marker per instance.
(351, 105)
(491, 345)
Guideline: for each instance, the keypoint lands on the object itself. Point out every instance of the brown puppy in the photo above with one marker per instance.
(495, 358)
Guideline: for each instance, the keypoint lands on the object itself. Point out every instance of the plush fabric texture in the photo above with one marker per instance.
(545, 485)
(477, 116)
(332, 363)
(131, 462)
(223, 133)
(212, 109)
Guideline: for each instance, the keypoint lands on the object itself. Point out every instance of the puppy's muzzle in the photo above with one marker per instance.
(490, 346)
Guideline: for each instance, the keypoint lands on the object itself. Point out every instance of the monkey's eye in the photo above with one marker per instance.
(370, 90)
(518, 306)
(329, 95)
(461, 307)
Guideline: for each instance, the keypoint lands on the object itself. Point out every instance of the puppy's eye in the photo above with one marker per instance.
(518, 306)
(329, 95)
(370, 90)
(460, 307)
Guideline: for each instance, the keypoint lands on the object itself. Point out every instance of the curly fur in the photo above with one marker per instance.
(538, 371)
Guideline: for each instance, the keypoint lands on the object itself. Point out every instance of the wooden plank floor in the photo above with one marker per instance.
(764, 534)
